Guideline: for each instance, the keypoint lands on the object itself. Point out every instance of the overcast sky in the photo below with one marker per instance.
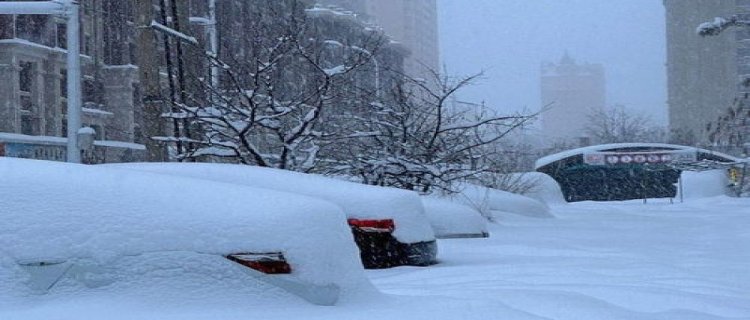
(510, 39)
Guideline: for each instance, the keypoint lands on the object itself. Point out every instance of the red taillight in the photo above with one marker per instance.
(269, 263)
(385, 225)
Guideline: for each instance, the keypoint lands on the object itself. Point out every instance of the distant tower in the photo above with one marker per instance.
(571, 91)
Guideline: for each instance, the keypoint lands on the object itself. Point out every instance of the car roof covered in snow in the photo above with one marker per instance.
(492, 202)
(358, 201)
(57, 211)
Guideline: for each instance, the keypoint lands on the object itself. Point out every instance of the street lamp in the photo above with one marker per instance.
(70, 11)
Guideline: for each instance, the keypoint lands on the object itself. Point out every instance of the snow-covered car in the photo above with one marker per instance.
(494, 203)
(389, 225)
(454, 220)
(74, 230)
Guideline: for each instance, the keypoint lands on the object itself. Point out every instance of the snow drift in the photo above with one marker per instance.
(703, 184)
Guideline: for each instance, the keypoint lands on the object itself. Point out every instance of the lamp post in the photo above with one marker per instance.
(70, 10)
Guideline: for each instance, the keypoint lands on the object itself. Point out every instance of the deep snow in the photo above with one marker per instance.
(622, 260)
(617, 260)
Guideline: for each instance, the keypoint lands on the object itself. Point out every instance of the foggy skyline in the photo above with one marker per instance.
(511, 39)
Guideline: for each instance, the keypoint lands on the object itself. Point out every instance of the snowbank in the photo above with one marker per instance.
(452, 220)
(358, 201)
(492, 202)
(544, 188)
(704, 184)
(53, 212)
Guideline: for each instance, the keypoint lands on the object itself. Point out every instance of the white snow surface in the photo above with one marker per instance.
(497, 204)
(600, 260)
(451, 219)
(596, 260)
(52, 211)
(357, 200)
(703, 184)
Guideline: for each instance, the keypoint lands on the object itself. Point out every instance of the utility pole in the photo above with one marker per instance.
(148, 65)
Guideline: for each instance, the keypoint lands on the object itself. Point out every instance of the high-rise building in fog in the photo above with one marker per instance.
(704, 74)
(570, 91)
(411, 22)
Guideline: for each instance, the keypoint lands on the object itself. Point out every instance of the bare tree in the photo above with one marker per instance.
(617, 125)
(153, 102)
(731, 131)
(422, 139)
(272, 100)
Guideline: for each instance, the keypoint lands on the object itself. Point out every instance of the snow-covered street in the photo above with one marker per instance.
(621, 260)
(617, 260)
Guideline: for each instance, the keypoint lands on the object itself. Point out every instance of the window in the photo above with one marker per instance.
(28, 121)
(26, 77)
(6, 26)
(25, 86)
(64, 83)
(32, 28)
(64, 118)
(62, 35)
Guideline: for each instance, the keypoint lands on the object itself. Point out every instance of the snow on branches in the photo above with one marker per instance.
(719, 24)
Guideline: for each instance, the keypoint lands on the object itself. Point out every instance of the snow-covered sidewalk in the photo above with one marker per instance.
(622, 260)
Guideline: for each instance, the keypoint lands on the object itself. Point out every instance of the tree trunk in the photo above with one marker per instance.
(153, 102)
